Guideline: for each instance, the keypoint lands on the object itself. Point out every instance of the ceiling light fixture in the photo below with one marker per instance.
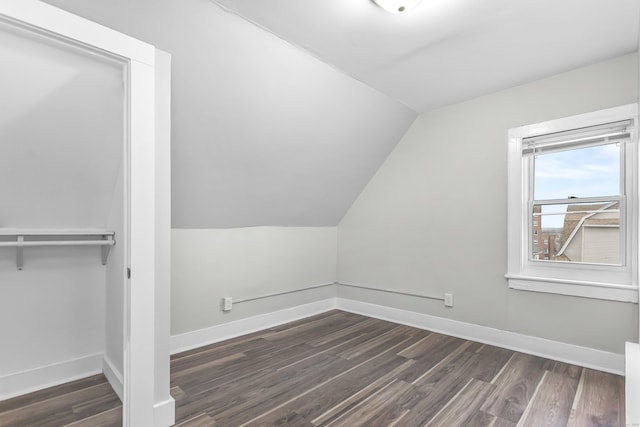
(397, 6)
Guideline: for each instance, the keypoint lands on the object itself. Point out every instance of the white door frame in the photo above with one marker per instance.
(139, 309)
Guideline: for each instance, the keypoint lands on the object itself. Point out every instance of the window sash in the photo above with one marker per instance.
(575, 140)
(605, 201)
(608, 133)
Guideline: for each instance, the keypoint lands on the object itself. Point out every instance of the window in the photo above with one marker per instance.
(572, 181)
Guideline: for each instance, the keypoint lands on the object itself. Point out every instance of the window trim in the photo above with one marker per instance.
(618, 283)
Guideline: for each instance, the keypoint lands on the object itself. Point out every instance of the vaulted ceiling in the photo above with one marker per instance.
(282, 110)
(263, 133)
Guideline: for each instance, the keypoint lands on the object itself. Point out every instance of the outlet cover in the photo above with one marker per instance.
(227, 304)
(448, 300)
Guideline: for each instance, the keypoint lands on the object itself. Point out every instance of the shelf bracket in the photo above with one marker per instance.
(106, 249)
(20, 252)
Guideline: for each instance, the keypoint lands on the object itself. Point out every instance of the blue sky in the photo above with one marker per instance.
(587, 172)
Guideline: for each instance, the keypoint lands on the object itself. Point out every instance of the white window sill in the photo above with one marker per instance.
(597, 290)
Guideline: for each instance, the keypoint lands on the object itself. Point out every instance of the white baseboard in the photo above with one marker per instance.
(202, 337)
(632, 384)
(114, 376)
(569, 353)
(164, 413)
(48, 376)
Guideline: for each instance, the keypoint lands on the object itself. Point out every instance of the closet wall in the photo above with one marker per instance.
(61, 151)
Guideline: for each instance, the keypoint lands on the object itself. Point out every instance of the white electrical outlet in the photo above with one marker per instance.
(448, 300)
(227, 304)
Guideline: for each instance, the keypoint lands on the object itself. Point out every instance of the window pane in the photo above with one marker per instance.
(584, 172)
(576, 232)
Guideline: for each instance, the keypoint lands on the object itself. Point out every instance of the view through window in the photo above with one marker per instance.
(575, 210)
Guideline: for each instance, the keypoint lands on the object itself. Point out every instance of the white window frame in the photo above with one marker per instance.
(609, 282)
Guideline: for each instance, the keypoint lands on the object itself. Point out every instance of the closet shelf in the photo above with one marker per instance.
(56, 237)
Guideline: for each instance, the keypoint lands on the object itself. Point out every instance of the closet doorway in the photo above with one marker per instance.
(77, 205)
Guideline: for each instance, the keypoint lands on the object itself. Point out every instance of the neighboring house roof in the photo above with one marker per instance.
(578, 216)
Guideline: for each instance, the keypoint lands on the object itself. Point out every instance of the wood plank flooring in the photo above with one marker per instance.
(342, 369)
(89, 402)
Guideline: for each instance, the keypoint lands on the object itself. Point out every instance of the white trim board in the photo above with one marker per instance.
(213, 334)
(114, 376)
(563, 352)
(74, 27)
(632, 384)
(24, 382)
(164, 413)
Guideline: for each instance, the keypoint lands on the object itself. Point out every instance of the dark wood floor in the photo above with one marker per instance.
(342, 369)
(89, 402)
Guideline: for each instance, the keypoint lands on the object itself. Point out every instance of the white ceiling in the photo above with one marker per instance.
(446, 51)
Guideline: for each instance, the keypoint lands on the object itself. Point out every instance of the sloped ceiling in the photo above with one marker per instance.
(446, 51)
(61, 133)
(263, 133)
(284, 109)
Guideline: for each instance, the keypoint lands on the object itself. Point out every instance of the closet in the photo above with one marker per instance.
(80, 166)
(62, 187)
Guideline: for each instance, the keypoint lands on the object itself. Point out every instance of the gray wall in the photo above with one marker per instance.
(208, 265)
(433, 218)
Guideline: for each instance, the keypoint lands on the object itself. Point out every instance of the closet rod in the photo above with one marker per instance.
(54, 232)
(20, 243)
(58, 243)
